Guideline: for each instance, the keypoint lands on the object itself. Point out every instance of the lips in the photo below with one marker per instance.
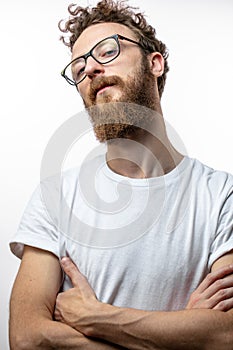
(99, 84)
(101, 88)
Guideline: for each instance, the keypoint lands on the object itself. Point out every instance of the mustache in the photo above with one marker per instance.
(101, 82)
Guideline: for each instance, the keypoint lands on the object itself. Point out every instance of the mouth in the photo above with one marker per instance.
(102, 88)
(100, 91)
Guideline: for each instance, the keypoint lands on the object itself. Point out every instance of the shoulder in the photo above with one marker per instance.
(216, 182)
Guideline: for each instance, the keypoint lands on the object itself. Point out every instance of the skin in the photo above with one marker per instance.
(215, 292)
(197, 327)
(120, 66)
(115, 324)
(119, 158)
(33, 298)
(41, 318)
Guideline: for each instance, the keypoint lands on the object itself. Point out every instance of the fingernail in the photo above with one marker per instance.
(64, 260)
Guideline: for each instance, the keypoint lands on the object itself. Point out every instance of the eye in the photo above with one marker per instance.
(80, 71)
(106, 50)
(108, 53)
(78, 68)
(77, 74)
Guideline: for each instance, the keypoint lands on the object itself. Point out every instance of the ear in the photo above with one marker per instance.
(156, 61)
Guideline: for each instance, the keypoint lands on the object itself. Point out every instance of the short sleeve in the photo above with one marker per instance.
(223, 241)
(39, 225)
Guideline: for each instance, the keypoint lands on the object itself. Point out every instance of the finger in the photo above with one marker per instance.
(220, 290)
(71, 270)
(222, 296)
(218, 287)
(77, 279)
(224, 305)
(57, 315)
(214, 276)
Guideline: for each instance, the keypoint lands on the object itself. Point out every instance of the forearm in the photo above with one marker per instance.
(187, 329)
(48, 335)
(195, 329)
(60, 336)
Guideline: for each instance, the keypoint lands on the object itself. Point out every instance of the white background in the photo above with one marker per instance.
(35, 100)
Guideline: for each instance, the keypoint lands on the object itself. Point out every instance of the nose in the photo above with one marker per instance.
(93, 68)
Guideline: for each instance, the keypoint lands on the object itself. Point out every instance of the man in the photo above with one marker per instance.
(156, 270)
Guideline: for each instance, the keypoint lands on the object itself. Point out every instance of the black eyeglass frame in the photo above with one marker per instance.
(88, 54)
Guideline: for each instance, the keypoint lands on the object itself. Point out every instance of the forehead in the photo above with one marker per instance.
(95, 33)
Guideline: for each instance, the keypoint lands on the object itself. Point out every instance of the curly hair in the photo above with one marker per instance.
(117, 12)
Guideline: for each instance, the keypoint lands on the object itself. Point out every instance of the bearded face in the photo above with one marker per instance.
(120, 118)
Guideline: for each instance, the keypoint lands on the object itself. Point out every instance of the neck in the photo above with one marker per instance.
(144, 153)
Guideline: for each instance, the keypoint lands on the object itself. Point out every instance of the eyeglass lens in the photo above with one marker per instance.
(103, 52)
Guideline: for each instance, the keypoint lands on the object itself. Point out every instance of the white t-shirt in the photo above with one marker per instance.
(141, 243)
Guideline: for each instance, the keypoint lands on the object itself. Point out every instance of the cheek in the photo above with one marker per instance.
(83, 90)
(129, 62)
(82, 86)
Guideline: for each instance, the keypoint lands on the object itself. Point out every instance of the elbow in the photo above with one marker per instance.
(24, 343)
(17, 340)
(25, 340)
(20, 343)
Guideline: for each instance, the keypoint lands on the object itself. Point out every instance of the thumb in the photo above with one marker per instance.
(71, 270)
(77, 279)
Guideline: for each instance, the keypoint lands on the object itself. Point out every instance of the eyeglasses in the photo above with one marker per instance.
(103, 52)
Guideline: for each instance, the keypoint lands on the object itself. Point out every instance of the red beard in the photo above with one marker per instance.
(113, 120)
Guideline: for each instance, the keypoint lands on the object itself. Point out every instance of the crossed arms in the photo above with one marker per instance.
(43, 319)
(32, 305)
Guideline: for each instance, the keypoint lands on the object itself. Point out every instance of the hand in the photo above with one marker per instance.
(215, 291)
(75, 306)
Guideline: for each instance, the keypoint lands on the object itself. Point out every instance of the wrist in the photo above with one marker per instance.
(102, 316)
